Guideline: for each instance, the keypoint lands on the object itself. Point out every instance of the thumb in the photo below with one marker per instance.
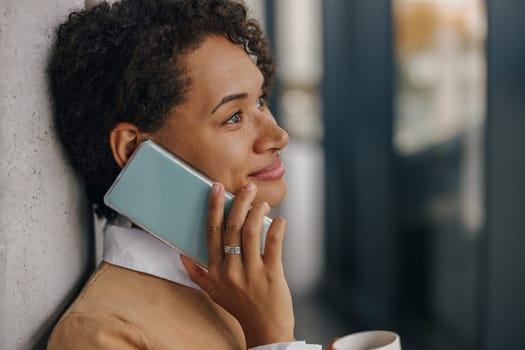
(197, 274)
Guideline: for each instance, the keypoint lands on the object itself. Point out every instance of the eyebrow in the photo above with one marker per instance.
(229, 98)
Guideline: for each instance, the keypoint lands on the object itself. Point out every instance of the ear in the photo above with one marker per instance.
(123, 139)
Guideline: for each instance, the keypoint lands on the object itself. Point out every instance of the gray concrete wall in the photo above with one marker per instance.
(45, 238)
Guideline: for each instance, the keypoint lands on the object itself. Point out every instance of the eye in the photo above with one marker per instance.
(261, 101)
(234, 119)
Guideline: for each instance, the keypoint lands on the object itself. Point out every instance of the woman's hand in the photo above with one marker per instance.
(249, 286)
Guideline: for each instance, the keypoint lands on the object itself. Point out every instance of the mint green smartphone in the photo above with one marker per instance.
(167, 198)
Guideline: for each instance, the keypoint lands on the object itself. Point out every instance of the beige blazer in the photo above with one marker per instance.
(124, 309)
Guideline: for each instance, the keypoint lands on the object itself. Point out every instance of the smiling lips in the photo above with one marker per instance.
(274, 171)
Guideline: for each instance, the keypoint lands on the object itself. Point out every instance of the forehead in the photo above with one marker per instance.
(218, 66)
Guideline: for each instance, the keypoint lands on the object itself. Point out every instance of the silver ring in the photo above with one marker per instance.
(236, 250)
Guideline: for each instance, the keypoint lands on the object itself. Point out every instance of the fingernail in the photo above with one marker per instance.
(215, 189)
(249, 187)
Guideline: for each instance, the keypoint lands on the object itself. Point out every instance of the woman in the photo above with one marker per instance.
(192, 76)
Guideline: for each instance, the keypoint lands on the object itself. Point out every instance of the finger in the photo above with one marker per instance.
(251, 234)
(274, 243)
(237, 217)
(197, 274)
(214, 224)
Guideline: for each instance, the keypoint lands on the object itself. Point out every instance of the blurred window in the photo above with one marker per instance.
(439, 115)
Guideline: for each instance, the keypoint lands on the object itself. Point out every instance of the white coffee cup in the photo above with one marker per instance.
(369, 340)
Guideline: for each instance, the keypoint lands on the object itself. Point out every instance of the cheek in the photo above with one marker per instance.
(221, 155)
(224, 159)
(228, 161)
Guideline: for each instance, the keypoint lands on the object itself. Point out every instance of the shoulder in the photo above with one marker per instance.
(156, 311)
(85, 330)
(90, 324)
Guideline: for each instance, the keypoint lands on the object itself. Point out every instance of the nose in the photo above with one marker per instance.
(270, 136)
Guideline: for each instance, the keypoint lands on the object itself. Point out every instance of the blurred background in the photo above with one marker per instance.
(405, 173)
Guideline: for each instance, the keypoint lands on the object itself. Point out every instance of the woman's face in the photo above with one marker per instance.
(224, 128)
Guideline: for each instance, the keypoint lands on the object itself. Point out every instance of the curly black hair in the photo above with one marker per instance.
(122, 62)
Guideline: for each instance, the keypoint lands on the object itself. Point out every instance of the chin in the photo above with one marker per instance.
(271, 192)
